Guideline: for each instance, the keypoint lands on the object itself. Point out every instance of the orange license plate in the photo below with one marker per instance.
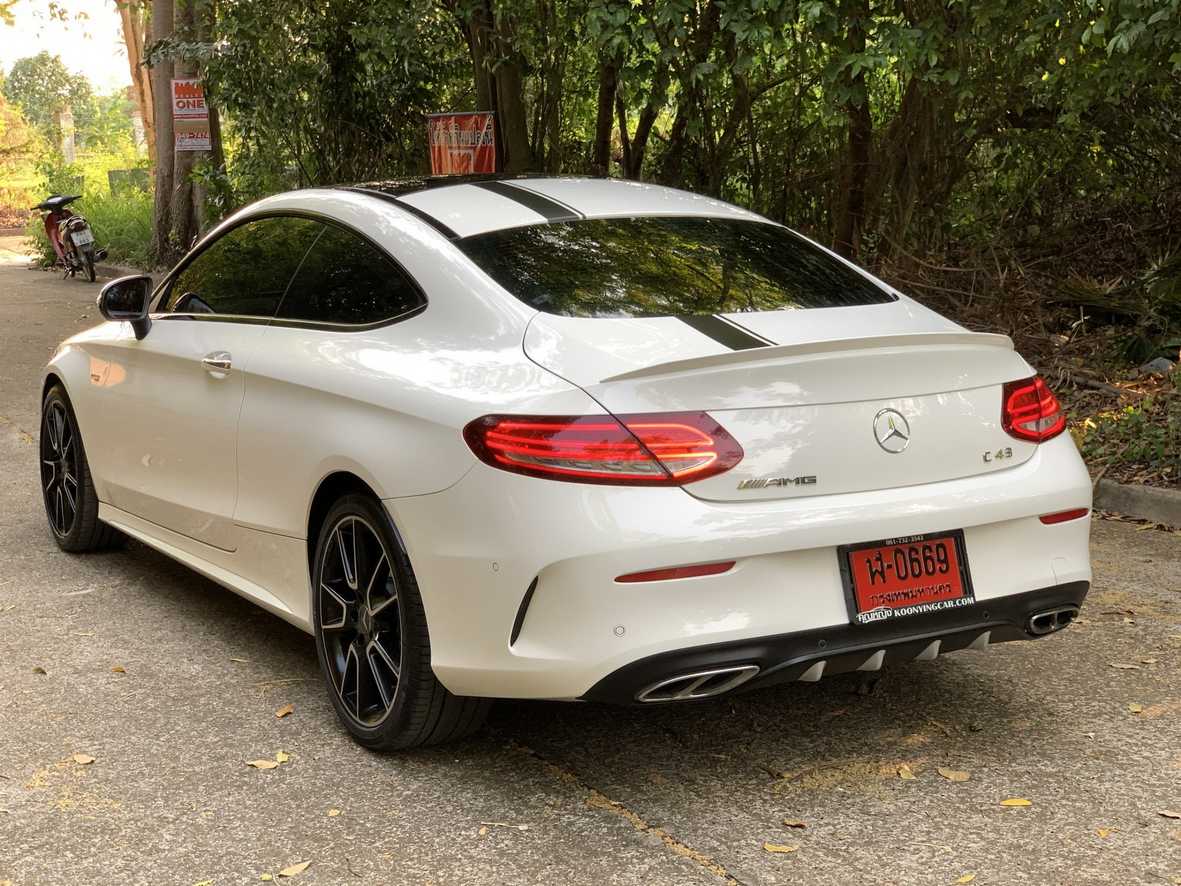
(899, 577)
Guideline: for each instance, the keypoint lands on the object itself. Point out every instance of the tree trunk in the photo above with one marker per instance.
(131, 15)
(604, 116)
(184, 196)
(634, 165)
(855, 175)
(162, 250)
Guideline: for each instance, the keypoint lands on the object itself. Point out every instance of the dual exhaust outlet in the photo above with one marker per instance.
(1041, 623)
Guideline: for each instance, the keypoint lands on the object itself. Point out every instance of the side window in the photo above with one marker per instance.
(245, 271)
(347, 280)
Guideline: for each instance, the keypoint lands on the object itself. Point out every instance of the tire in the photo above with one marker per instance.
(365, 602)
(88, 258)
(71, 504)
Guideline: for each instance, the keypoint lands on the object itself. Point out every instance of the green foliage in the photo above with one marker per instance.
(41, 85)
(1147, 433)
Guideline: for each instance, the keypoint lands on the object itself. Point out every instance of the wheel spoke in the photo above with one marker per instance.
(377, 659)
(59, 509)
(337, 599)
(350, 680)
(376, 606)
(349, 566)
(51, 431)
(70, 487)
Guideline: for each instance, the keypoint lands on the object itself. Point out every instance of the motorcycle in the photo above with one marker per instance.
(70, 234)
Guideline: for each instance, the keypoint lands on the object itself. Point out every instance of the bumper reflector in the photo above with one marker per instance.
(678, 572)
(1063, 516)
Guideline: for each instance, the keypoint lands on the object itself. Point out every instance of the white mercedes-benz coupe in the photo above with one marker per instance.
(564, 438)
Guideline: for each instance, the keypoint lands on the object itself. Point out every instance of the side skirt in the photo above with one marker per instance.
(200, 558)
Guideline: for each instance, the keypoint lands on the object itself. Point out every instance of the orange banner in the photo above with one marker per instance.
(462, 144)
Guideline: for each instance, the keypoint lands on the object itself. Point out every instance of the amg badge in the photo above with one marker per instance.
(767, 482)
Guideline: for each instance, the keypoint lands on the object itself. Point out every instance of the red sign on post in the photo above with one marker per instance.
(462, 143)
(190, 116)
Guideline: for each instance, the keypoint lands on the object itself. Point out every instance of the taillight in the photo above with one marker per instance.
(665, 449)
(1030, 411)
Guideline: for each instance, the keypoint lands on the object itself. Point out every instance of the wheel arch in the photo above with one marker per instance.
(52, 377)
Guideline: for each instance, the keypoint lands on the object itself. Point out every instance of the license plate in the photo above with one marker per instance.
(81, 238)
(897, 577)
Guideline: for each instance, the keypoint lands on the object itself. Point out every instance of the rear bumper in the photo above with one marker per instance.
(809, 655)
(478, 546)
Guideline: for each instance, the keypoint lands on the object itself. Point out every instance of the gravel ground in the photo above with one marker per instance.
(171, 684)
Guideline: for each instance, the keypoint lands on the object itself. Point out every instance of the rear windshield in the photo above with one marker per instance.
(659, 267)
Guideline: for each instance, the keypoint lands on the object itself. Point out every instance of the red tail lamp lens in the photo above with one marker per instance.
(1063, 516)
(1030, 411)
(678, 572)
(664, 449)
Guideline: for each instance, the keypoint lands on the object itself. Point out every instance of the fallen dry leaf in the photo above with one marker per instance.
(285, 711)
(483, 832)
(1135, 708)
(953, 774)
(118, 669)
(1016, 801)
(266, 878)
(240, 660)
(779, 847)
(282, 757)
(1103, 832)
(794, 823)
(1169, 813)
(966, 878)
(295, 870)
(332, 813)
(37, 669)
(1124, 666)
(1148, 661)
(905, 772)
(262, 764)
(83, 759)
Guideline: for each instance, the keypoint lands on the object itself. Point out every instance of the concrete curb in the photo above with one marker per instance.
(1145, 502)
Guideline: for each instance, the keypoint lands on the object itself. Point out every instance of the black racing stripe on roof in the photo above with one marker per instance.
(724, 333)
(413, 210)
(550, 210)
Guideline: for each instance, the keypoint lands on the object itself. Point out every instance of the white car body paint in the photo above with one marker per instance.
(220, 472)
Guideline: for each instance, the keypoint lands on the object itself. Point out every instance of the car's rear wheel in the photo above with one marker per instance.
(71, 504)
(372, 639)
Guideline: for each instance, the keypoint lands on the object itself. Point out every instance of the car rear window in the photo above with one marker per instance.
(661, 266)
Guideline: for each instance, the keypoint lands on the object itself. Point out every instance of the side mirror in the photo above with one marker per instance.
(128, 298)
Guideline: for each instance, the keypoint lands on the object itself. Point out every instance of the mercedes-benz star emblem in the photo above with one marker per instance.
(891, 430)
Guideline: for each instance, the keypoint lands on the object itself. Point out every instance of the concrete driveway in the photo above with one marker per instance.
(171, 684)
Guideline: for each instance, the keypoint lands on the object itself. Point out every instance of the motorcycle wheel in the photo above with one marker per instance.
(88, 258)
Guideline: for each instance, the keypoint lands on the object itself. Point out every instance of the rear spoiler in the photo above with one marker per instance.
(808, 349)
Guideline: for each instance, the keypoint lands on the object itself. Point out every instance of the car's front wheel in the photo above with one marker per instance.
(71, 504)
(371, 636)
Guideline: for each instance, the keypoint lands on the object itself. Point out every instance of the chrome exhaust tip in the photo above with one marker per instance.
(1051, 620)
(699, 684)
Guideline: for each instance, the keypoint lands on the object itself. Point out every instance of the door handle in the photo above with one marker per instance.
(217, 363)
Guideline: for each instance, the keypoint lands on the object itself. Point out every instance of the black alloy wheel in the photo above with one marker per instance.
(59, 468)
(71, 504)
(372, 638)
(358, 605)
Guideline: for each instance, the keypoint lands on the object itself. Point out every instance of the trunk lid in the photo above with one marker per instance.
(807, 393)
